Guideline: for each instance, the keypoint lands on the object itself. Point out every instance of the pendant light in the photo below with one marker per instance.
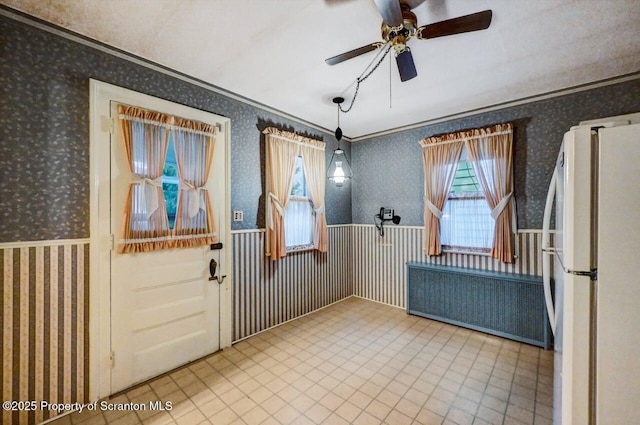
(339, 168)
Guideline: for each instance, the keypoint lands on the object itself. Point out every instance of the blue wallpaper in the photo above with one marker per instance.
(388, 169)
(44, 141)
(44, 134)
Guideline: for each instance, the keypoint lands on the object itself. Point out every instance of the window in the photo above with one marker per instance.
(170, 183)
(168, 205)
(299, 217)
(466, 223)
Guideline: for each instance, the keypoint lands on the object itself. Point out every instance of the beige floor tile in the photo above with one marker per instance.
(287, 414)
(355, 362)
(397, 418)
(317, 413)
(348, 411)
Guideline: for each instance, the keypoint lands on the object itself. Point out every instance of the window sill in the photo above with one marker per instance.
(466, 252)
(300, 248)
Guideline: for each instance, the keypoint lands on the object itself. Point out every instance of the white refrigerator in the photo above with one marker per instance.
(592, 275)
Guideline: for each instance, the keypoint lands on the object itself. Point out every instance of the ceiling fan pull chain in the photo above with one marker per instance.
(390, 82)
(353, 99)
(361, 79)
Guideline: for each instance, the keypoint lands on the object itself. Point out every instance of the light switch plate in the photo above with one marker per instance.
(238, 215)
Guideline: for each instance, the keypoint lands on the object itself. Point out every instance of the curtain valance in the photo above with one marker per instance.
(133, 113)
(463, 136)
(293, 137)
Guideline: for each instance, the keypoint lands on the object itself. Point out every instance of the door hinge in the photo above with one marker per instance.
(112, 359)
(112, 241)
(112, 123)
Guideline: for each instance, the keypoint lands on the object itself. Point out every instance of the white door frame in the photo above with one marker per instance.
(100, 247)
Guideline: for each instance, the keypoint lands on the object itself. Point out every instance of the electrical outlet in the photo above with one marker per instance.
(238, 215)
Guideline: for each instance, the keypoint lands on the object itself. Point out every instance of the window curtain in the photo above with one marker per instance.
(282, 154)
(440, 156)
(490, 152)
(194, 144)
(313, 158)
(145, 137)
(283, 149)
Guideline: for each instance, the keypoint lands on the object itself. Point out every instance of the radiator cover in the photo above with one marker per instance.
(503, 304)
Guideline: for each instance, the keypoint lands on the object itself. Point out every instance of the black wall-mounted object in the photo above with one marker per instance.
(385, 214)
(215, 246)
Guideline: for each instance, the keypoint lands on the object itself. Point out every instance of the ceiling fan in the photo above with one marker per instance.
(399, 25)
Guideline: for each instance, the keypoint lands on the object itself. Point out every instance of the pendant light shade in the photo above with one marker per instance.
(339, 170)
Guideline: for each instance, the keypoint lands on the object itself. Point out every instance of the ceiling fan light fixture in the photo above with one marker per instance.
(406, 66)
(400, 25)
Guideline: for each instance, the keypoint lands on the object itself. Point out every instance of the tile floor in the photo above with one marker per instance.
(355, 362)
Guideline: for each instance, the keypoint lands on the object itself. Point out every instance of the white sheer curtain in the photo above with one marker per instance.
(299, 223)
(466, 222)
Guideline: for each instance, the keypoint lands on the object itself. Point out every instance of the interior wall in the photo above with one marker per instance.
(44, 195)
(388, 169)
(388, 172)
(44, 135)
(44, 204)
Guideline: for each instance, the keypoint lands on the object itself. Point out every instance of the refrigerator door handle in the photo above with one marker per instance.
(548, 252)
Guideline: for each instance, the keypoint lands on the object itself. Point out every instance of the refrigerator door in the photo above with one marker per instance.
(617, 359)
(574, 257)
(575, 350)
(549, 256)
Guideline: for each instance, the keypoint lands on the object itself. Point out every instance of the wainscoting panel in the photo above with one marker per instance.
(379, 263)
(267, 293)
(45, 335)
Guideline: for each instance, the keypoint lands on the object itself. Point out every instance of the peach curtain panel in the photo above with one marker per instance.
(194, 144)
(440, 156)
(283, 149)
(282, 155)
(490, 152)
(315, 172)
(145, 137)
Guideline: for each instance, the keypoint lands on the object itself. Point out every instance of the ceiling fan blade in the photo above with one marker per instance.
(406, 66)
(353, 53)
(390, 11)
(467, 23)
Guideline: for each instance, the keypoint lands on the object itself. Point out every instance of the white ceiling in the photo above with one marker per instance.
(273, 51)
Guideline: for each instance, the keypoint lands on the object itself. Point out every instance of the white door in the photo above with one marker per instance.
(164, 310)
